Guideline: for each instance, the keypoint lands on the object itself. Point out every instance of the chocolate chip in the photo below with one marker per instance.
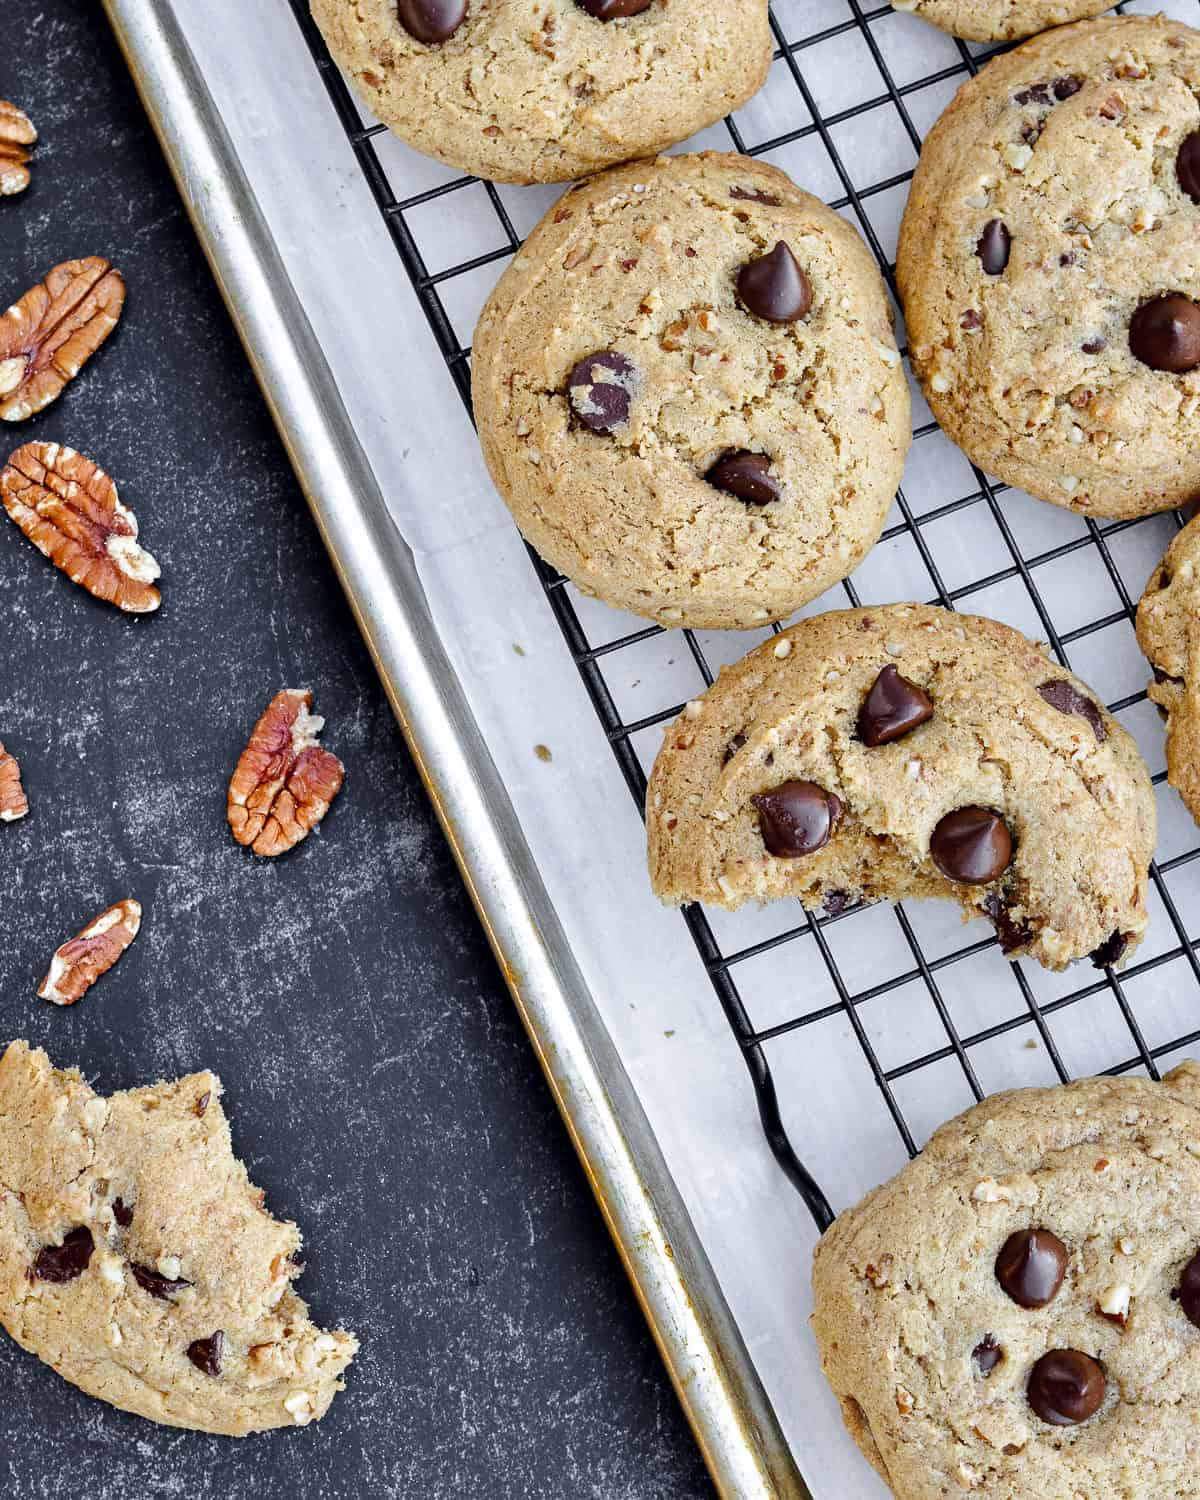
(1012, 935)
(1031, 1266)
(1165, 333)
(1094, 346)
(158, 1286)
(970, 320)
(971, 845)
(431, 21)
(835, 903)
(986, 1355)
(122, 1213)
(746, 475)
(612, 10)
(59, 1263)
(731, 749)
(749, 196)
(1037, 93)
(1066, 1387)
(207, 1354)
(1188, 1292)
(1065, 87)
(1060, 694)
(601, 388)
(993, 246)
(796, 817)
(774, 287)
(892, 708)
(1110, 950)
(1187, 165)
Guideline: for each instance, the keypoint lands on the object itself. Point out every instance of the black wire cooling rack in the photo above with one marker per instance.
(796, 64)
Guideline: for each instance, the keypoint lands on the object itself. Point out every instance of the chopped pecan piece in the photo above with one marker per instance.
(283, 782)
(50, 334)
(68, 508)
(79, 963)
(16, 133)
(13, 804)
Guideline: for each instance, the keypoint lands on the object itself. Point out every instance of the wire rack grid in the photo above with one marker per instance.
(858, 84)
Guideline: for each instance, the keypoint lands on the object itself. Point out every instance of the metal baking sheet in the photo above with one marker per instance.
(876, 1025)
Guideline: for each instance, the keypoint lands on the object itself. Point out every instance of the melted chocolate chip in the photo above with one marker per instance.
(797, 817)
(737, 743)
(1094, 346)
(1066, 1387)
(601, 389)
(835, 903)
(986, 1355)
(971, 845)
(1065, 87)
(158, 1286)
(59, 1263)
(746, 475)
(1012, 935)
(1060, 694)
(755, 196)
(1110, 950)
(431, 21)
(208, 1354)
(122, 1213)
(993, 247)
(1165, 333)
(1031, 1266)
(613, 10)
(774, 287)
(892, 708)
(1187, 165)
(1188, 1291)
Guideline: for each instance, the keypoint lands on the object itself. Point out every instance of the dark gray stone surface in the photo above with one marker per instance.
(380, 1086)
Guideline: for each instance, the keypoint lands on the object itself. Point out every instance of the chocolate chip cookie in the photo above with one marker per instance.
(907, 751)
(689, 394)
(1049, 272)
(1168, 630)
(137, 1259)
(1000, 20)
(548, 90)
(1017, 1313)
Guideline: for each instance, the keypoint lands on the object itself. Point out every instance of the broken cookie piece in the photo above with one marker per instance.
(98, 1197)
(13, 802)
(69, 509)
(82, 960)
(284, 781)
(906, 751)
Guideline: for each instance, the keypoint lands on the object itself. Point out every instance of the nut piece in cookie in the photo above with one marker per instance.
(905, 751)
(69, 509)
(1168, 631)
(13, 802)
(548, 90)
(139, 1261)
(689, 394)
(1014, 1314)
(16, 136)
(999, 20)
(284, 781)
(50, 334)
(83, 959)
(1047, 265)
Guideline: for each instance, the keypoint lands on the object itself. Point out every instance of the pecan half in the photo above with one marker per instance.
(16, 133)
(79, 963)
(68, 508)
(50, 334)
(12, 795)
(283, 782)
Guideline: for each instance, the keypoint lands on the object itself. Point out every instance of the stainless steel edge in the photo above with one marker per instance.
(674, 1282)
